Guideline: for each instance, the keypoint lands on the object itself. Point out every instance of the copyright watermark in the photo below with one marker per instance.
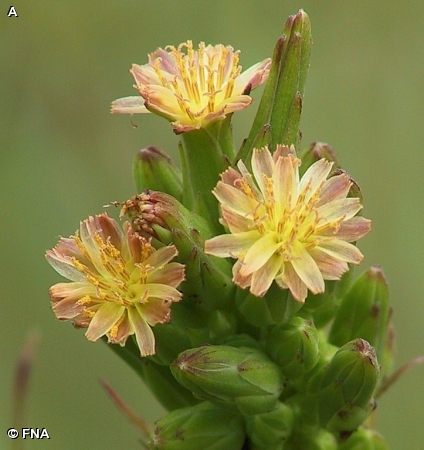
(28, 433)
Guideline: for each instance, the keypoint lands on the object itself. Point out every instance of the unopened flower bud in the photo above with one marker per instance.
(364, 439)
(154, 169)
(281, 102)
(270, 430)
(345, 397)
(293, 345)
(364, 312)
(316, 151)
(319, 439)
(200, 427)
(242, 379)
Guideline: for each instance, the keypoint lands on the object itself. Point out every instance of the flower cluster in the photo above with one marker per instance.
(236, 369)
(120, 285)
(297, 232)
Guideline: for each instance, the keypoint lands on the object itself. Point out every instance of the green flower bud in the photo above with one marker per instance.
(345, 396)
(293, 345)
(317, 440)
(364, 439)
(281, 102)
(200, 427)
(154, 169)
(242, 379)
(270, 430)
(240, 340)
(364, 312)
(316, 151)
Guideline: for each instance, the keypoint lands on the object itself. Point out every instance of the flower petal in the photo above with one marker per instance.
(129, 105)
(231, 245)
(143, 333)
(335, 188)
(342, 250)
(259, 253)
(104, 319)
(307, 269)
(263, 277)
(291, 279)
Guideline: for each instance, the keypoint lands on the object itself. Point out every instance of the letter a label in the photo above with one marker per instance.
(12, 12)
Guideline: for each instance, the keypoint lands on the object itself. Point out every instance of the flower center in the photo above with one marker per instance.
(288, 223)
(202, 75)
(120, 282)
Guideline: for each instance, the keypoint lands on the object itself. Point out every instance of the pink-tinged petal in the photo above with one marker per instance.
(171, 274)
(234, 104)
(161, 257)
(162, 100)
(129, 105)
(108, 229)
(235, 222)
(234, 199)
(262, 164)
(167, 62)
(307, 269)
(353, 229)
(344, 208)
(67, 309)
(263, 277)
(143, 333)
(291, 279)
(335, 188)
(330, 267)
(314, 177)
(240, 280)
(259, 253)
(162, 291)
(68, 247)
(125, 329)
(145, 75)
(75, 290)
(285, 185)
(254, 76)
(230, 176)
(155, 311)
(228, 245)
(64, 266)
(180, 128)
(104, 319)
(342, 250)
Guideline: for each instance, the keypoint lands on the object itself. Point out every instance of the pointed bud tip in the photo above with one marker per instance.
(376, 273)
(152, 152)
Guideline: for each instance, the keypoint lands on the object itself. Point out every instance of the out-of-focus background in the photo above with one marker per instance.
(63, 156)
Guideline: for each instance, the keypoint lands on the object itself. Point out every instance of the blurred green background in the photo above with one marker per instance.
(63, 156)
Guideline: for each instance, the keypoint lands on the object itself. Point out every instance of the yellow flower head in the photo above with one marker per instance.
(297, 232)
(192, 87)
(120, 285)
